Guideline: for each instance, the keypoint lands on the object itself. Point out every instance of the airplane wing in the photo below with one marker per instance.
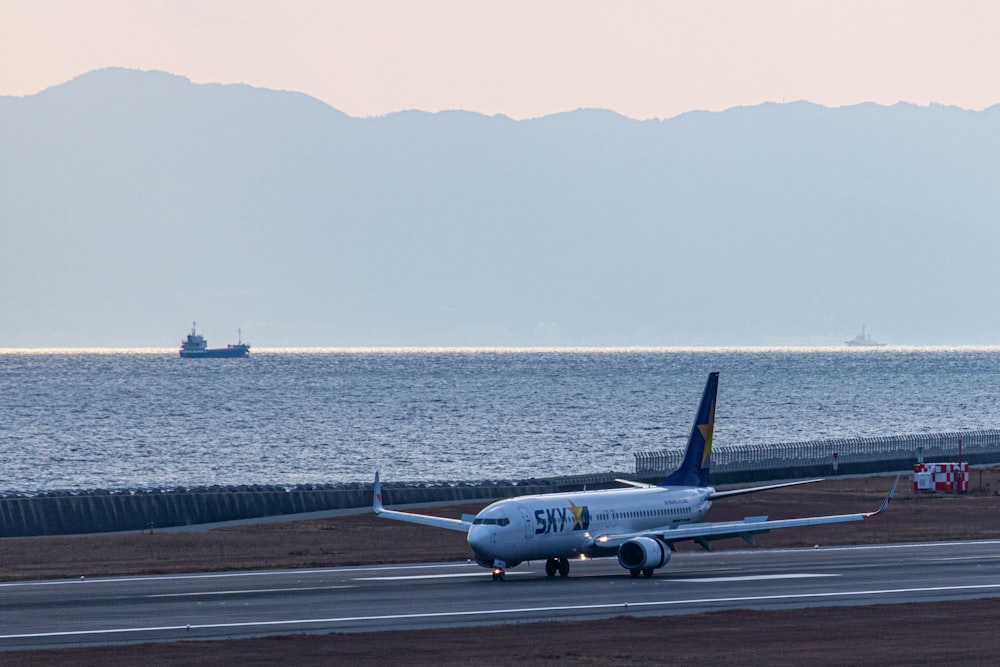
(422, 519)
(703, 533)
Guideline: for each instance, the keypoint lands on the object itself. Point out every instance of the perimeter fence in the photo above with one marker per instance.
(736, 463)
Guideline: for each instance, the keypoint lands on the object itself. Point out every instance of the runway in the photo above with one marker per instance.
(376, 598)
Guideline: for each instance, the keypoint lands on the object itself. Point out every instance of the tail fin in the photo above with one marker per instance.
(693, 470)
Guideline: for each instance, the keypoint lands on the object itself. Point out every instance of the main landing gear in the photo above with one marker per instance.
(646, 572)
(560, 565)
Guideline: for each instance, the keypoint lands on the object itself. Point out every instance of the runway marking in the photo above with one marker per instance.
(951, 558)
(418, 566)
(608, 607)
(227, 575)
(408, 577)
(860, 547)
(754, 577)
(246, 592)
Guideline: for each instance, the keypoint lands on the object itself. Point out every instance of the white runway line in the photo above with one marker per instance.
(751, 577)
(228, 575)
(622, 606)
(407, 577)
(246, 592)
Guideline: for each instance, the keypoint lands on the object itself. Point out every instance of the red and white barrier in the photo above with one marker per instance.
(948, 477)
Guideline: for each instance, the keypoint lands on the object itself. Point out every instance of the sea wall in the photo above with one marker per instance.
(105, 511)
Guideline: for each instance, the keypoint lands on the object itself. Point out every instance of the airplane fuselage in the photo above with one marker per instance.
(568, 525)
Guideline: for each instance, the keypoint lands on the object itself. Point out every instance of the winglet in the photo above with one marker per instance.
(888, 498)
(436, 521)
(377, 496)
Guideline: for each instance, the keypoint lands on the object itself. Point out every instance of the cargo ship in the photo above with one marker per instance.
(196, 347)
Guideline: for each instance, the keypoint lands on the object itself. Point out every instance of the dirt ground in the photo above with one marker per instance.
(841, 635)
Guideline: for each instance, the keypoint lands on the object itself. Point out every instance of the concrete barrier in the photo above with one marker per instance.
(107, 511)
(104, 511)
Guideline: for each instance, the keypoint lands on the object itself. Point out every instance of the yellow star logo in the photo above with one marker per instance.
(577, 513)
(706, 433)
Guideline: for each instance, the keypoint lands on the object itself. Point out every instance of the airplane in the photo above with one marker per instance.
(639, 525)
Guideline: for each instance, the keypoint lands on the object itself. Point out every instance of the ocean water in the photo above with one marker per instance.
(72, 420)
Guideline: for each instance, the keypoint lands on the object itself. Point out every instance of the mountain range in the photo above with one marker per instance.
(132, 203)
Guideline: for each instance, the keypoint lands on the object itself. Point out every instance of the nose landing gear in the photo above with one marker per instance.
(499, 574)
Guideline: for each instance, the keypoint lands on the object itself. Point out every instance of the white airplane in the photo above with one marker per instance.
(638, 525)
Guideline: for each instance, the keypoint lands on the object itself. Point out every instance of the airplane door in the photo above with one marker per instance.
(529, 528)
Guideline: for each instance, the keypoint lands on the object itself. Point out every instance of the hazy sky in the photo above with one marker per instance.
(525, 58)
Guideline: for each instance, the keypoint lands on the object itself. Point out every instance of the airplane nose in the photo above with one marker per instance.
(480, 540)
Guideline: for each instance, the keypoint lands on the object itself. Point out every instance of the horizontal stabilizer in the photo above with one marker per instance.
(755, 489)
(628, 482)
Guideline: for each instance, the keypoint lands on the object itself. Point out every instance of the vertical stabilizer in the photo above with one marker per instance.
(693, 470)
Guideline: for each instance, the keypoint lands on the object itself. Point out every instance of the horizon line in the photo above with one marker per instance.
(478, 349)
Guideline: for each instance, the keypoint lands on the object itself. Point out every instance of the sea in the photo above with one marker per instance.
(80, 420)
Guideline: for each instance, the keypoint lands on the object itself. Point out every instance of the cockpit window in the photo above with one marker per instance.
(482, 521)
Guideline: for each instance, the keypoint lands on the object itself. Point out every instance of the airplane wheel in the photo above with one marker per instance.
(499, 576)
(563, 567)
(648, 572)
(634, 573)
(551, 565)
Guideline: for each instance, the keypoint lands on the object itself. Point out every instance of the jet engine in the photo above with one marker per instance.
(643, 553)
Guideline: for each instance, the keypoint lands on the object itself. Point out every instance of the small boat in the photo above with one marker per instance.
(196, 347)
(863, 340)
